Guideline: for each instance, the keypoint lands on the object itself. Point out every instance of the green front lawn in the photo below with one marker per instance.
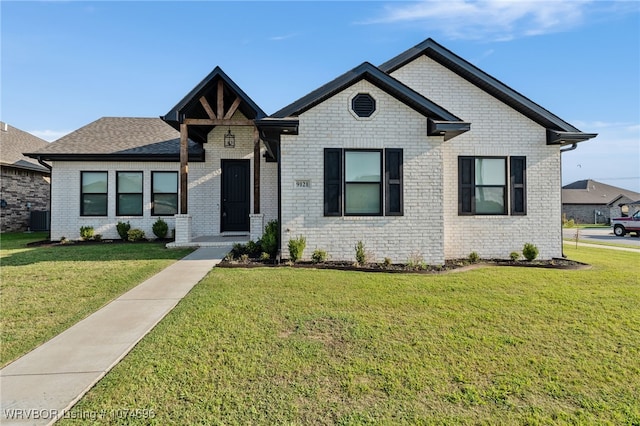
(496, 345)
(45, 290)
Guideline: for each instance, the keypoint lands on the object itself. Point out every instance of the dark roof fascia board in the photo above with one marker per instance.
(288, 125)
(555, 137)
(194, 95)
(376, 77)
(448, 129)
(480, 79)
(33, 168)
(196, 158)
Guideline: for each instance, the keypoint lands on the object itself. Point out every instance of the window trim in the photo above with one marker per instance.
(118, 193)
(472, 186)
(510, 186)
(337, 202)
(345, 182)
(82, 194)
(153, 193)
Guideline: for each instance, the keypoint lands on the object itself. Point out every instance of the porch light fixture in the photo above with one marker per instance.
(229, 139)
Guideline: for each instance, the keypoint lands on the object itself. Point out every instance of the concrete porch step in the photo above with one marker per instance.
(212, 241)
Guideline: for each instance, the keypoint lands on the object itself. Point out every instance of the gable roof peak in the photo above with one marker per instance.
(560, 131)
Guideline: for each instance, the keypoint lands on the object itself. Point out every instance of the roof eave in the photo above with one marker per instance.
(448, 129)
(194, 157)
(375, 76)
(479, 78)
(557, 137)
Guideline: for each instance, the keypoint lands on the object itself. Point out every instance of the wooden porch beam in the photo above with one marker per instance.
(207, 108)
(220, 99)
(233, 108)
(217, 122)
(184, 167)
(256, 171)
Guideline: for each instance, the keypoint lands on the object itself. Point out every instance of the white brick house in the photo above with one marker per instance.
(425, 154)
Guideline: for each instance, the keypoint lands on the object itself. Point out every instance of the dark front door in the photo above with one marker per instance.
(235, 196)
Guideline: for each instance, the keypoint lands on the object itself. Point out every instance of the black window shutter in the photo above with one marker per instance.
(332, 182)
(518, 186)
(393, 182)
(466, 185)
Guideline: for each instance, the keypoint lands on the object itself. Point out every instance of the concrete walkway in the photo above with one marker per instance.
(38, 388)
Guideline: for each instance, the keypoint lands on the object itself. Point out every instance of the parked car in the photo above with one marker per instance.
(625, 225)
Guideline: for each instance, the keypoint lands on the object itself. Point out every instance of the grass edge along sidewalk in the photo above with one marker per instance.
(45, 290)
(497, 345)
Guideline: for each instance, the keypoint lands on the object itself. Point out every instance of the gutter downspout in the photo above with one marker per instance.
(279, 255)
(571, 148)
(50, 168)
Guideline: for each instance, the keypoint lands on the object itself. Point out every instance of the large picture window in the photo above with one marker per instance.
(93, 193)
(355, 185)
(129, 193)
(482, 185)
(164, 197)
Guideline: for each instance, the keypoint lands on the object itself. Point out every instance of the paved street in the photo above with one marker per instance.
(602, 235)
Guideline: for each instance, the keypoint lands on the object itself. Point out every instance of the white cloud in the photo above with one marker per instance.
(281, 37)
(498, 20)
(49, 135)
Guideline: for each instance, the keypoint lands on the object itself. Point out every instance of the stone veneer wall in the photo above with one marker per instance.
(19, 187)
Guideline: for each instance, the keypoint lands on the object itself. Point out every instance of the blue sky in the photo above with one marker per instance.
(67, 63)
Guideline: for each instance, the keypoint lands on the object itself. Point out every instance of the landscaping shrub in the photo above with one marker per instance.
(97, 237)
(530, 251)
(514, 256)
(160, 228)
(253, 249)
(238, 250)
(135, 235)
(269, 241)
(319, 256)
(474, 257)
(86, 232)
(387, 262)
(123, 229)
(296, 247)
(361, 255)
(415, 260)
(264, 256)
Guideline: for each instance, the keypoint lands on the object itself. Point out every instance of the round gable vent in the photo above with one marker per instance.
(363, 105)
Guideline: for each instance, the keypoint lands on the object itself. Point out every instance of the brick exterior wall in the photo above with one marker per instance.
(204, 189)
(19, 187)
(496, 130)
(332, 125)
(430, 225)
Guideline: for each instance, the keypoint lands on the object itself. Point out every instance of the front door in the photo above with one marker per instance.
(235, 196)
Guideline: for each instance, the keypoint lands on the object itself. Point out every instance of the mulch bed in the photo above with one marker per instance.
(68, 243)
(455, 265)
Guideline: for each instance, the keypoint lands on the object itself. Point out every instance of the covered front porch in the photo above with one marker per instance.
(232, 195)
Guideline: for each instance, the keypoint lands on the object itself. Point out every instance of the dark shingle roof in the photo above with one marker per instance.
(109, 138)
(589, 191)
(14, 142)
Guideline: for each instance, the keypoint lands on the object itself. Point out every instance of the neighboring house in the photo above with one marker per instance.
(25, 183)
(588, 201)
(424, 155)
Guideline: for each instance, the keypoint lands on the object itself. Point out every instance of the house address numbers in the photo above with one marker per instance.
(303, 183)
